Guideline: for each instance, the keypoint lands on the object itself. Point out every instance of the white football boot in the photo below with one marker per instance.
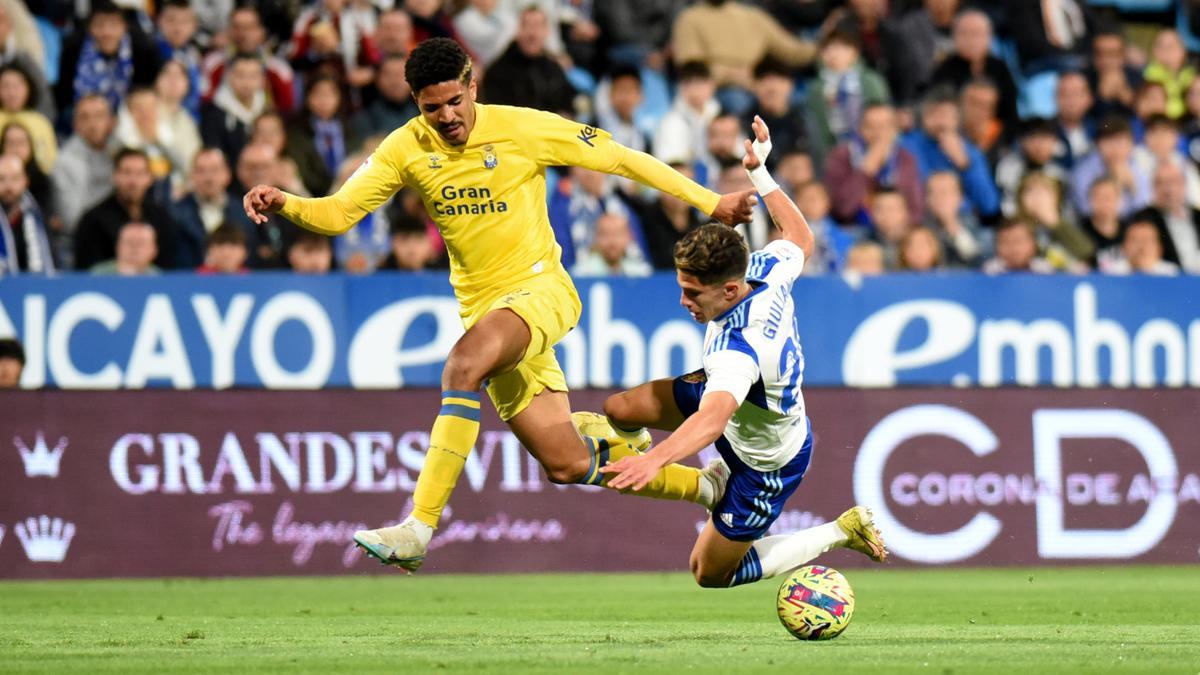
(401, 545)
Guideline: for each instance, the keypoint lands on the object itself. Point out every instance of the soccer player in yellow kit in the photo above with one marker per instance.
(480, 170)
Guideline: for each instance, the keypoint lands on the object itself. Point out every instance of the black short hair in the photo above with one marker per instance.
(771, 66)
(32, 102)
(437, 60)
(1160, 120)
(10, 348)
(173, 4)
(243, 56)
(407, 225)
(227, 233)
(125, 153)
(1113, 125)
(310, 239)
(625, 70)
(841, 36)
(694, 70)
(1038, 126)
(104, 7)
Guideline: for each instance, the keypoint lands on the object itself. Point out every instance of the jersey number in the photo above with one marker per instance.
(790, 367)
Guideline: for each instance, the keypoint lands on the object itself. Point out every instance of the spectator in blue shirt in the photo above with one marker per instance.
(939, 145)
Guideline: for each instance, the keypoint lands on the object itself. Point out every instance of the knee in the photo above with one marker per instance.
(463, 371)
(568, 472)
(709, 578)
(617, 408)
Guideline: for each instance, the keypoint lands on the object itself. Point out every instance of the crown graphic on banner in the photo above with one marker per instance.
(45, 539)
(41, 460)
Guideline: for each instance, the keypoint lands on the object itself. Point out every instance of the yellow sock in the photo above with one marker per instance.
(674, 481)
(453, 436)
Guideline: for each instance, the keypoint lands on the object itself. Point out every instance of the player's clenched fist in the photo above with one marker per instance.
(735, 207)
(262, 200)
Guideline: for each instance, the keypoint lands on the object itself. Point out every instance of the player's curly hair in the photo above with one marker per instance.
(712, 253)
(437, 60)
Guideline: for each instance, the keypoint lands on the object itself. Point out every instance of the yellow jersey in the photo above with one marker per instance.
(488, 196)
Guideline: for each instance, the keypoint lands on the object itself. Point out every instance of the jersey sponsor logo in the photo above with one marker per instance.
(489, 157)
(588, 134)
(463, 201)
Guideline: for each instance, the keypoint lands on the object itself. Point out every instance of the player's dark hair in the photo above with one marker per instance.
(437, 60)
(226, 234)
(10, 348)
(712, 253)
(694, 70)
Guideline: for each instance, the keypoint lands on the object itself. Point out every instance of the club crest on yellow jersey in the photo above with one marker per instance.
(489, 157)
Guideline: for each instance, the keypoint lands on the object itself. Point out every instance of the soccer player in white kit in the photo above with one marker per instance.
(746, 399)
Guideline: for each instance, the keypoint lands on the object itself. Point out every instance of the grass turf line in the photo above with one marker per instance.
(1059, 620)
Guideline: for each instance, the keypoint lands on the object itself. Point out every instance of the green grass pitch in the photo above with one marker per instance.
(1051, 620)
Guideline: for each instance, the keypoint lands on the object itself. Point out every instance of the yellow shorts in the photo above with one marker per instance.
(549, 304)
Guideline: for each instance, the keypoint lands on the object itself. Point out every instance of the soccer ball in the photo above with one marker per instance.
(815, 603)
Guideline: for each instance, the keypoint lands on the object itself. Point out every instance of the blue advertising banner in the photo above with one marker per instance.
(284, 331)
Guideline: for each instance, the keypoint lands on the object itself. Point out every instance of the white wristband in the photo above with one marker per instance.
(762, 180)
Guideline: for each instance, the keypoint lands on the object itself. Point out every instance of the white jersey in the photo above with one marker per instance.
(752, 351)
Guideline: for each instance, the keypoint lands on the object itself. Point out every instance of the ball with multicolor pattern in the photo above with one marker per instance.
(816, 603)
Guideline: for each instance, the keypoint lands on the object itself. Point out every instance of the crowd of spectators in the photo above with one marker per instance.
(916, 135)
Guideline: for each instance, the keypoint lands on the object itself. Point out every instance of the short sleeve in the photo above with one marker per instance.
(780, 261)
(731, 365)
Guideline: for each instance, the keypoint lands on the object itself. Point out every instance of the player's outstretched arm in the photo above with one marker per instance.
(783, 210)
(696, 433)
(731, 209)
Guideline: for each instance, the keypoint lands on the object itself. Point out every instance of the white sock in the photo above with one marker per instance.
(706, 496)
(770, 556)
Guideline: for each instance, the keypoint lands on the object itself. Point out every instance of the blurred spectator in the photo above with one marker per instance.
(1149, 101)
(410, 248)
(683, 132)
(957, 228)
(485, 29)
(136, 250)
(393, 107)
(773, 87)
(757, 232)
(1191, 124)
(334, 37)
(139, 127)
(972, 60)
(1169, 66)
(979, 99)
(319, 140)
(240, 99)
(872, 160)
(867, 21)
(722, 149)
(1073, 98)
(1049, 34)
(794, 169)
(1034, 152)
(577, 204)
(920, 251)
(24, 241)
(922, 41)
(21, 41)
(1040, 202)
(1161, 145)
(225, 251)
(939, 145)
(12, 362)
(259, 165)
(247, 36)
(1179, 220)
(174, 117)
(394, 33)
(310, 253)
(1113, 156)
(842, 89)
(1103, 226)
(269, 129)
(96, 236)
(665, 220)
(107, 59)
(1110, 76)
(831, 242)
(1142, 251)
(554, 12)
(865, 259)
(889, 222)
(612, 252)
(177, 25)
(731, 37)
(526, 74)
(1016, 250)
(636, 32)
(430, 19)
(212, 16)
(15, 140)
(625, 95)
(83, 172)
(208, 206)
(18, 103)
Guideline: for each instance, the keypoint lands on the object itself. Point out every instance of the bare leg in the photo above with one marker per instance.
(715, 559)
(647, 405)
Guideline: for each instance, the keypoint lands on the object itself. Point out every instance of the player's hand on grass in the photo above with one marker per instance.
(735, 207)
(261, 201)
(633, 472)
